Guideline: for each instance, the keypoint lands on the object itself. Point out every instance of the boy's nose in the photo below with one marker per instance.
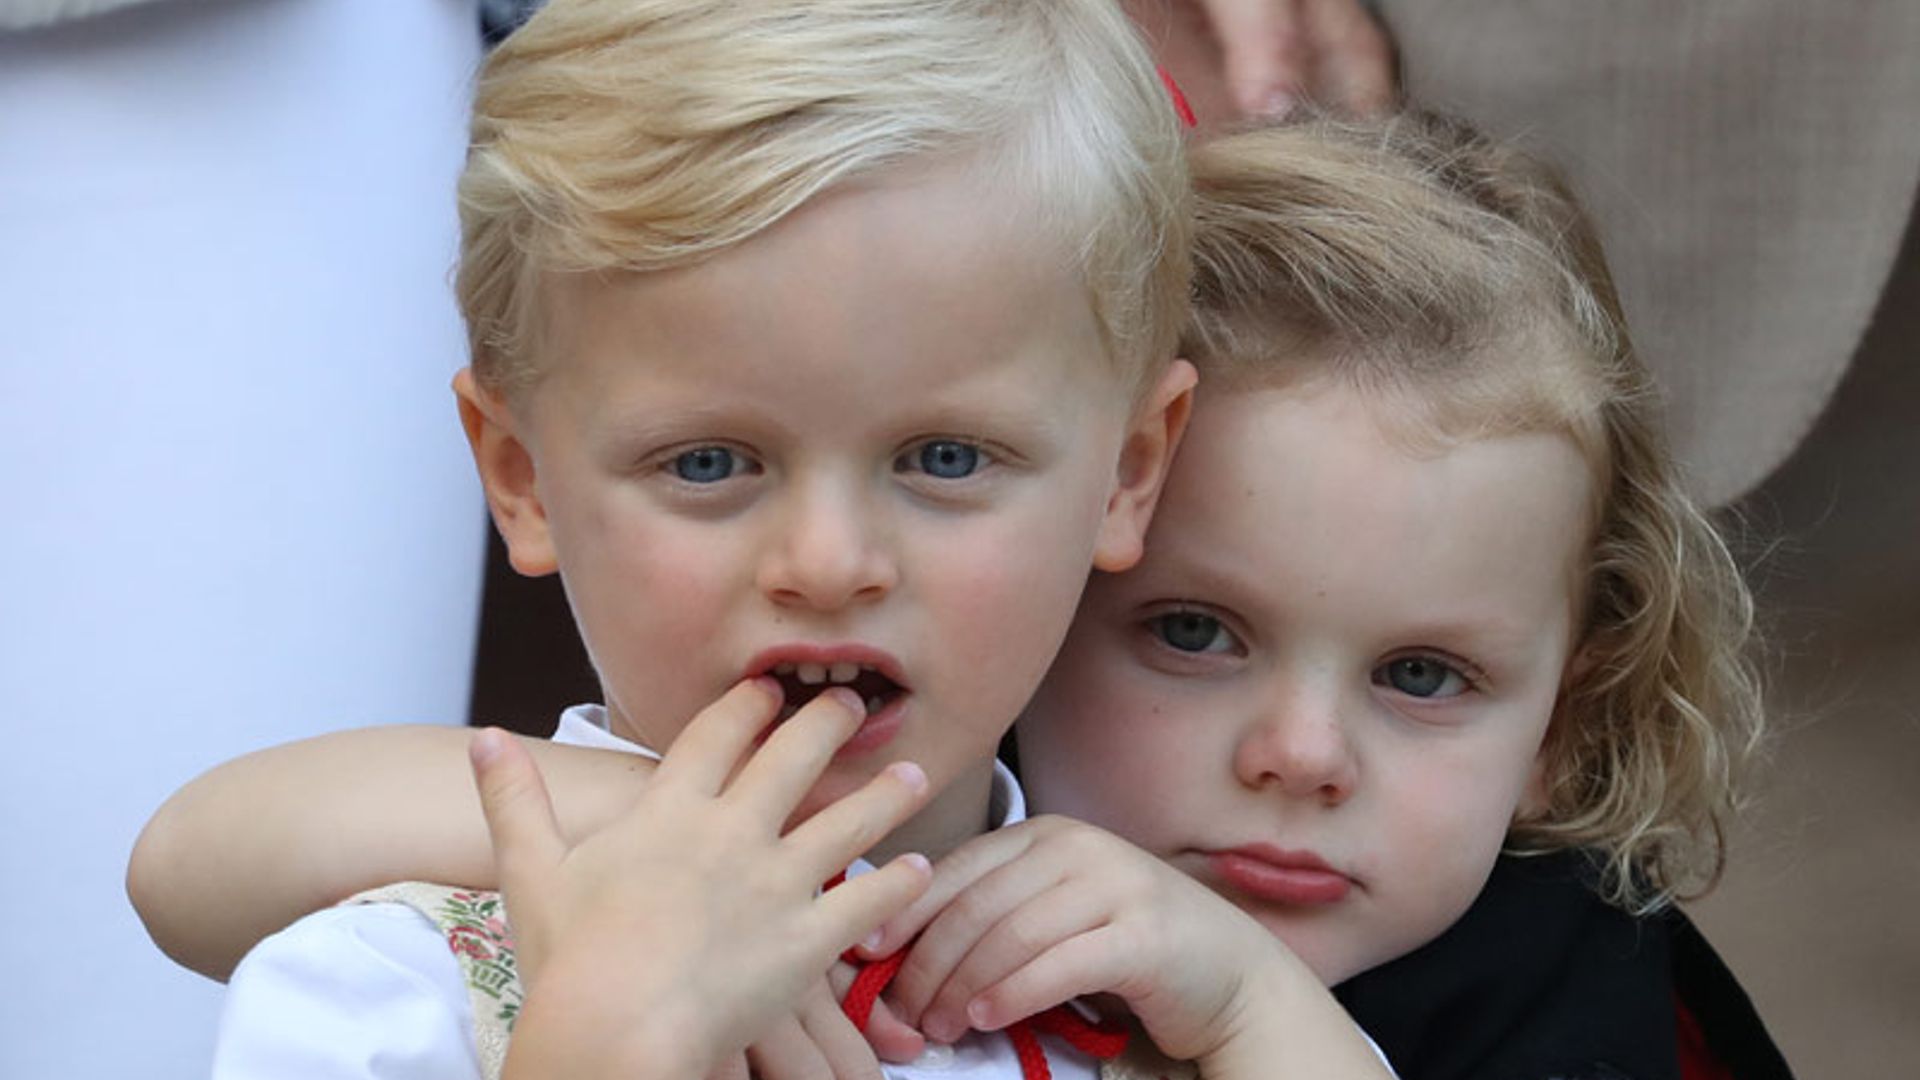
(1298, 745)
(831, 551)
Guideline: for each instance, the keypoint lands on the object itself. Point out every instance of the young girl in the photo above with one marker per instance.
(1424, 590)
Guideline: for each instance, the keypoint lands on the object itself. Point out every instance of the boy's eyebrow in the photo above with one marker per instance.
(1026, 414)
(959, 413)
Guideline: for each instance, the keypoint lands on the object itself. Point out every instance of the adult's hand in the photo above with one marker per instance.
(1237, 58)
(1279, 53)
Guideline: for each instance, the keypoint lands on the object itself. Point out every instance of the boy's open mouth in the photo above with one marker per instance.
(802, 682)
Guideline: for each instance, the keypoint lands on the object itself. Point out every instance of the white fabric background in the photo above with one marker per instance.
(238, 506)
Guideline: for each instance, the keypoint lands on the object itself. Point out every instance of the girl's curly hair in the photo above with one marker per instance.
(1459, 280)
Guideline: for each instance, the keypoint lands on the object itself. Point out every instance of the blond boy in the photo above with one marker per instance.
(813, 343)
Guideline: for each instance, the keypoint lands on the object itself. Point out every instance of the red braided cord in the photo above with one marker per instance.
(1102, 1041)
(1026, 1047)
(867, 984)
(1096, 1040)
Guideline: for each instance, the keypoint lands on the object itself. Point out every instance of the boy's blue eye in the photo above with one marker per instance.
(1191, 632)
(1421, 677)
(945, 459)
(707, 465)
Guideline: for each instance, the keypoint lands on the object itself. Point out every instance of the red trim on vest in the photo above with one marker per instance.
(1697, 1061)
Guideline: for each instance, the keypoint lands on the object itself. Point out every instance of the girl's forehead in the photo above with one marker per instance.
(1303, 491)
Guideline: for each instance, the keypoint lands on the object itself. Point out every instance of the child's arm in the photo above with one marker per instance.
(1052, 909)
(664, 943)
(254, 844)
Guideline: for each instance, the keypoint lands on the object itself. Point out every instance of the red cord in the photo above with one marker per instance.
(1026, 1047)
(867, 984)
(1096, 1040)
(1102, 1041)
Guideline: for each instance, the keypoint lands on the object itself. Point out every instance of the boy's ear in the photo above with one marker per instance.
(1152, 436)
(507, 474)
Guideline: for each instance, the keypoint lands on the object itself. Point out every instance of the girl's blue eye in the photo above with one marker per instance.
(1191, 632)
(707, 465)
(946, 459)
(1421, 677)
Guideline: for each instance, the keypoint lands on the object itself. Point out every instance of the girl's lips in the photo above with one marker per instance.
(1295, 878)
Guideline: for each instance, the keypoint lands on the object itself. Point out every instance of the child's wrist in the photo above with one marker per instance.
(651, 1051)
(1284, 1021)
(1272, 991)
(579, 1029)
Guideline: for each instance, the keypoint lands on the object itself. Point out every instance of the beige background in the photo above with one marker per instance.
(1820, 912)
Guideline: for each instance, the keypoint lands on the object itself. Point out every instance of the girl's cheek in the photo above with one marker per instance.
(1437, 806)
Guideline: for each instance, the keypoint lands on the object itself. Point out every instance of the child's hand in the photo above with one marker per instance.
(666, 942)
(1050, 909)
(818, 1042)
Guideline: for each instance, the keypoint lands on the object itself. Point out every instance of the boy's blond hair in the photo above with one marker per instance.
(1459, 281)
(640, 135)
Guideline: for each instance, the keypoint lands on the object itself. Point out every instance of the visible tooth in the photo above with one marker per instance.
(783, 669)
(873, 704)
(844, 672)
(812, 674)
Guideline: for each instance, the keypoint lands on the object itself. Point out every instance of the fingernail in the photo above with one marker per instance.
(871, 943)
(939, 1029)
(485, 745)
(769, 686)
(910, 774)
(979, 1015)
(1276, 104)
(849, 698)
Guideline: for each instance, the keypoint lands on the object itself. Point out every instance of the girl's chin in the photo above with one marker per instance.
(1330, 965)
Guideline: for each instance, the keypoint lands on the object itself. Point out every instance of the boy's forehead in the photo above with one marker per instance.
(929, 250)
(951, 214)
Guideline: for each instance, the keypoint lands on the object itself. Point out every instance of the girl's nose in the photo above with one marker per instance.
(1298, 745)
(830, 550)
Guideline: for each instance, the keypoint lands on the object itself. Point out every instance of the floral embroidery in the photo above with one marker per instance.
(476, 928)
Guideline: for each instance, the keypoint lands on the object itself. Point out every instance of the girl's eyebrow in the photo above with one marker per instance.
(1216, 577)
(1200, 576)
(1493, 644)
